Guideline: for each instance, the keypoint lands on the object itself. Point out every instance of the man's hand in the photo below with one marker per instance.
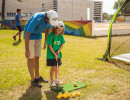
(27, 54)
(44, 47)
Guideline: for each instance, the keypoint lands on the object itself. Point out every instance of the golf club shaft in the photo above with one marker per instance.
(57, 71)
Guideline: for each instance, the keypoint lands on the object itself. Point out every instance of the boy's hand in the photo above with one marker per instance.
(44, 47)
(27, 54)
(56, 56)
(58, 52)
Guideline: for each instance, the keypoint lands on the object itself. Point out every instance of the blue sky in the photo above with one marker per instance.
(108, 6)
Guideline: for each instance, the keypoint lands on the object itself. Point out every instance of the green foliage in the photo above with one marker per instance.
(20, 0)
(125, 9)
(106, 16)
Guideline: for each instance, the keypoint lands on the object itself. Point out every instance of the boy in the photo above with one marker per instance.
(18, 18)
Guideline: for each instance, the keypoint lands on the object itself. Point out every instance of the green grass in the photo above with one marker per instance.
(105, 81)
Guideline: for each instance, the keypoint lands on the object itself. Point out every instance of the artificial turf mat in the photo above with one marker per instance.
(70, 87)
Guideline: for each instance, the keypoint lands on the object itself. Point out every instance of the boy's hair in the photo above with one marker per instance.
(18, 9)
(54, 30)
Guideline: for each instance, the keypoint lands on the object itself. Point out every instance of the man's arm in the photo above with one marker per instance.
(27, 36)
(46, 36)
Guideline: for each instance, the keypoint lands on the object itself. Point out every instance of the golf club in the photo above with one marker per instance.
(57, 84)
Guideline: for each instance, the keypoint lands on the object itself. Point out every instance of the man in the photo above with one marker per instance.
(18, 18)
(33, 39)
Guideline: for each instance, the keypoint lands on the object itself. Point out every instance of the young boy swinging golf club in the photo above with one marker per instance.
(55, 43)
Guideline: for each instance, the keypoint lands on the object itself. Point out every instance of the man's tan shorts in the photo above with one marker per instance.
(35, 48)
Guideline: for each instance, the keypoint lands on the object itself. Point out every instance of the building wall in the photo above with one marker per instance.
(27, 6)
(98, 10)
(48, 4)
(67, 9)
(74, 9)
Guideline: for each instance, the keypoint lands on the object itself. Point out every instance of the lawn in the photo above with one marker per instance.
(105, 81)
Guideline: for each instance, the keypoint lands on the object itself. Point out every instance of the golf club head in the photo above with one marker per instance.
(58, 87)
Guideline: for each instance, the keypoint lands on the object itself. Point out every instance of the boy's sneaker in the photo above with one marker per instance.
(20, 40)
(58, 82)
(40, 79)
(52, 83)
(14, 37)
(35, 83)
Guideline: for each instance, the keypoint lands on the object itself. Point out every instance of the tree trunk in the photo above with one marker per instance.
(3, 9)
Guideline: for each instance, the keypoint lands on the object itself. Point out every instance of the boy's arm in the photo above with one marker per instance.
(20, 18)
(27, 35)
(52, 50)
(46, 36)
(60, 49)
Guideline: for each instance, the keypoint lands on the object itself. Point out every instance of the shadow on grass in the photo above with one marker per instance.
(32, 93)
(120, 64)
(16, 43)
(51, 95)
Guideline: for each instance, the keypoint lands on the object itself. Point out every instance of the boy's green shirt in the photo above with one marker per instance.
(55, 42)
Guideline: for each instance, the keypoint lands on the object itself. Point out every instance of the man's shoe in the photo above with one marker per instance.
(40, 79)
(35, 83)
(14, 37)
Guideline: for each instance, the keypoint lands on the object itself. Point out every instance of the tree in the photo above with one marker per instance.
(3, 9)
(20, 0)
(126, 8)
(105, 16)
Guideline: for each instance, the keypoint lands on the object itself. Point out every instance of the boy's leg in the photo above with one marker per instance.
(17, 33)
(14, 37)
(20, 32)
(52, 83)
(51, 73)
(20, 36)
(57, 72)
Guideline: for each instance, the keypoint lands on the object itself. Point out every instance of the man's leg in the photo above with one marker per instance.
(36, 66)
(31, 68)
(34, 81)
(36, 60)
